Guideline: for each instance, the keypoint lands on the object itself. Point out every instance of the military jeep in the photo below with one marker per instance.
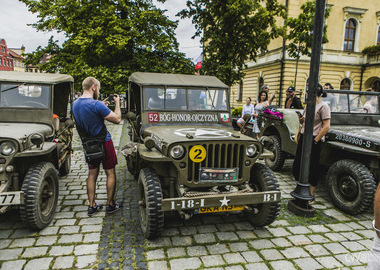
(35, 141)
(186, 156)
(351, 152)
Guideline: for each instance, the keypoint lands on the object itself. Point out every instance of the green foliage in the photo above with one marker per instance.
(301, 29)
(372, 50)
(237, 112)
(233, 32)
(108, 40)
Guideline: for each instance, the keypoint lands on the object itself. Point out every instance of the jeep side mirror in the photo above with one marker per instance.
(69, 123)
(131, 116)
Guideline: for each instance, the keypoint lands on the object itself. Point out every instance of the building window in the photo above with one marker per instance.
(345, 84)
(349, 35)
(378, 36)
(240, 91)
(376, 85)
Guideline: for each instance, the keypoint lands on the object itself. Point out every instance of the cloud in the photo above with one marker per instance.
(185, 30)
(16, 31)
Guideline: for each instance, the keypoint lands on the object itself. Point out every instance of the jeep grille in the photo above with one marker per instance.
(219, 155)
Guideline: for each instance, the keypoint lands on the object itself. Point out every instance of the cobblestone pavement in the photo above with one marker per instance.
(329, 240)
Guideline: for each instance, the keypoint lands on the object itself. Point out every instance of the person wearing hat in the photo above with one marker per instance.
(292, 101)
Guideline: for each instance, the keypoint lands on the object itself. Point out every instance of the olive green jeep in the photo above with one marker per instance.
(35, 142)
(351, 151)
(186, 155)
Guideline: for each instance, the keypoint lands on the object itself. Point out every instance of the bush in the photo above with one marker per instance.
(372, 50)
(237, 112)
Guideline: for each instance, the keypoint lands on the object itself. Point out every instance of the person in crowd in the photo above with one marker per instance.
(248, 108)
(371, 104)
(89, 114)
(374, 259)
(321, 126)
(292, 101)
(265, 87)
(262, 102)
(330, 99)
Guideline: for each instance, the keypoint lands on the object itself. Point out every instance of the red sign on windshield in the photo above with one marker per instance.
(153, 117)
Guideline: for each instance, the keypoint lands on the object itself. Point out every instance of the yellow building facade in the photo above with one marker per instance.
(351, 27)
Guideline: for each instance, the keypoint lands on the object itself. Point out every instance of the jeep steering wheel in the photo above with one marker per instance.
(32, 104)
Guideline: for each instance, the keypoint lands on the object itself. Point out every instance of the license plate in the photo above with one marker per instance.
(216, 209)
(11, 198)
(217, 175)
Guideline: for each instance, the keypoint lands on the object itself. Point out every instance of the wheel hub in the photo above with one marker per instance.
(47, 196)
(348, 187)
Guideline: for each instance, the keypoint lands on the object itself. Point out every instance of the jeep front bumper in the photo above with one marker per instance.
(185, 203)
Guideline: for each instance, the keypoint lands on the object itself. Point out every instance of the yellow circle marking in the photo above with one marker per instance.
(197, 153)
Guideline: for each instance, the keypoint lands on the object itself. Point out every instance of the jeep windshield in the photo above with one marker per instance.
(185, 99)
(343, 101)
(24, 96)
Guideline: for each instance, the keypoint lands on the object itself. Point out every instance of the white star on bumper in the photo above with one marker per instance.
(224, 202)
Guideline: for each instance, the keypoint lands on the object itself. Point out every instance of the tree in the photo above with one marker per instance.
(300, 36)
(108, 39)
(233, 32)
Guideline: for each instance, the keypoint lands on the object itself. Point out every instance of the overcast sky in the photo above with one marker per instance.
(15, 17)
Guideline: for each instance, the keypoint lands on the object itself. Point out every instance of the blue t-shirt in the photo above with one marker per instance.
(89, 114)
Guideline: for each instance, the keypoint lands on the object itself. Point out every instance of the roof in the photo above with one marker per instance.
(14, 54)
(146, 78)
(29, 77)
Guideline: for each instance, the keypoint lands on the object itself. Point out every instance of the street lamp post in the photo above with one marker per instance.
(300, 205)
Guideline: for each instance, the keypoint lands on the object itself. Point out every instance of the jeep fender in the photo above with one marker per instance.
(48, 153)
(280, 129)
(151, 155)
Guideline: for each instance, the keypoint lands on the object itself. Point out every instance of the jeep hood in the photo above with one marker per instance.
(365, 132)
(169, 134)
(19, 131)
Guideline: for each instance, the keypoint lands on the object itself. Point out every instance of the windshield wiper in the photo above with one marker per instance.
(13, 87)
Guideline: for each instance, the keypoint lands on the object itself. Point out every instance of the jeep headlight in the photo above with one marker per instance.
(177, 151)
(8, 148)
(251, 150)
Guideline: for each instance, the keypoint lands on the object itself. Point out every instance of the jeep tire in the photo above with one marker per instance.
(263, 179)
(277, 162)
(150, 203)
(66, 166)
(40, 189)
(351, 186)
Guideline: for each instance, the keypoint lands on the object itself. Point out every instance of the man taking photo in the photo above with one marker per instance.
(89, 114)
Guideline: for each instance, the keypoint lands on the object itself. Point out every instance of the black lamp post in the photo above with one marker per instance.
(300, 205)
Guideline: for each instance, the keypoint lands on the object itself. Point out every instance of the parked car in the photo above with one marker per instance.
(351, 151)
(35, 142)
(186, 156)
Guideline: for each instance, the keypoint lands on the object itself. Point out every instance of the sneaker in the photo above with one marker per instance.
(113, 208)
(93, 210)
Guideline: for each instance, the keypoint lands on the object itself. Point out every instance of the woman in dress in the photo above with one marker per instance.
(262, 102)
